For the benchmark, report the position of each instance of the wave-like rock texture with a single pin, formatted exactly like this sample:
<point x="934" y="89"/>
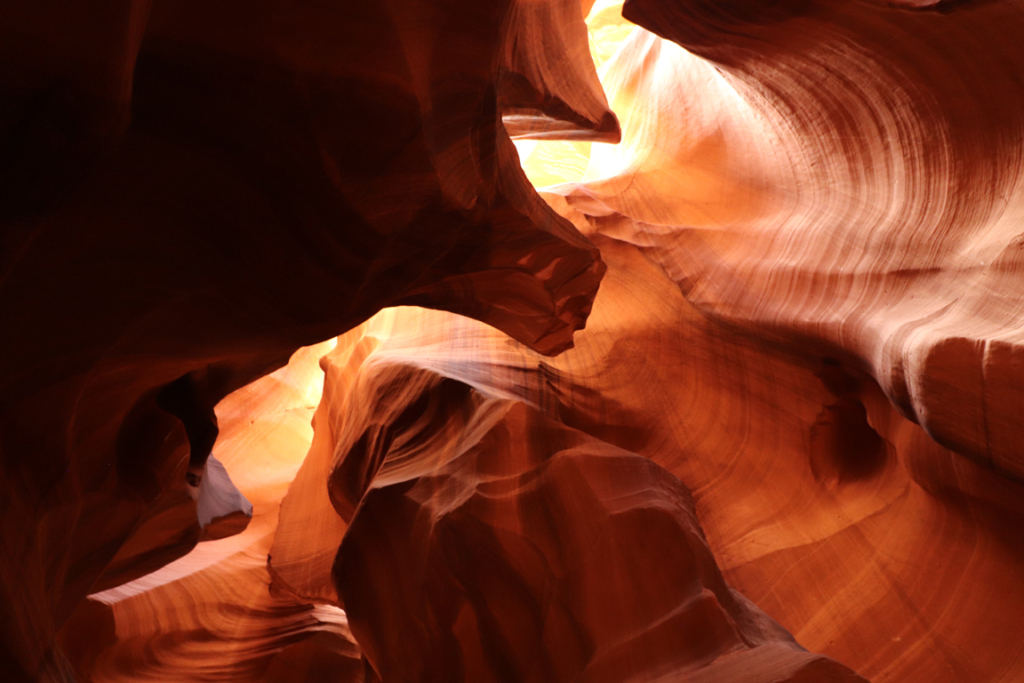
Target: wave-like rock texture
<point x="811" y="319"/>
<point x="487" y="542"/>
<point x="832" y="512"/>
<point x="189" y="191"/>
<point x="840" y="183"/>
<point x="210" y="616"/>
<point x="844" y="177"/>
<point x="549" y="88"/>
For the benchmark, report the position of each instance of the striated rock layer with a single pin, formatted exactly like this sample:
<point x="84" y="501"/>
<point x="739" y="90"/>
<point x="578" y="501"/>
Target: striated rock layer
<point x="844" y="178"/>
<point x="840" y="183"/>
<point x="811" y="320"/>
<point x="190" y="191"/>
<point x="840" y="518"/>
<point x="521" y="549"/>
<point x="209" y="616"/>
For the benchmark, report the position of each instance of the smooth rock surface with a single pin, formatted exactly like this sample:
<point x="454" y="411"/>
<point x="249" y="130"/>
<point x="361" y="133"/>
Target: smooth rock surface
<point x="190" y="192"/>
<point x="785" y="448"/>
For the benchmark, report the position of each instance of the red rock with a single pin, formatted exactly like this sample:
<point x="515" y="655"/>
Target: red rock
<point x="277" y="185"/>
<point x="810" y="319"/>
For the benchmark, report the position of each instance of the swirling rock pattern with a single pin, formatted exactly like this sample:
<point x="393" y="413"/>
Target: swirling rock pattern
<point x="847" y="178"/>
<point x="803" y="472"/>
<point x="811" y="320"/>
<point x="485" y="541"/>
<point x="210" y="616"/>
<point x="815" y="179"/>
<point x="190" y="192"/>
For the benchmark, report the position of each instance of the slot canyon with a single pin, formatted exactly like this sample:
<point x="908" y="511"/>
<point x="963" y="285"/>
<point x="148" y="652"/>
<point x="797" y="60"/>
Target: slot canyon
<point x="501" y="341"/>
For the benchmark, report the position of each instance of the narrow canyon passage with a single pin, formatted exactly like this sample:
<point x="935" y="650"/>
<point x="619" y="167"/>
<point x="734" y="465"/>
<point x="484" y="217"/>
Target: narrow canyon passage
<point x="536" y="340"/>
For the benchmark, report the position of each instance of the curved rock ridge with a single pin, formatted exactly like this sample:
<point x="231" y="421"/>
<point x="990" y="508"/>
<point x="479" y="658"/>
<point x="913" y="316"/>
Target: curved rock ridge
<point x="566" y="160"/>
<point x="210" y="616"/>
<point x="310" y="530"/>
<point x="549" y="88"/>
<point x="811" y="319"/>
<point x="903" y="549"/>
<point x="191" y="191"/>
<point x="485" y="541"/>
<point x="837" y="516"/>
<point x="844" y="178"/>
<point x="838" y="183"/>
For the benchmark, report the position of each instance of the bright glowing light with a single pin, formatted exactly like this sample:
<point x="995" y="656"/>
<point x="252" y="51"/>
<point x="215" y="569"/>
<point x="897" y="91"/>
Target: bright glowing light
<point x="552" y="162"/>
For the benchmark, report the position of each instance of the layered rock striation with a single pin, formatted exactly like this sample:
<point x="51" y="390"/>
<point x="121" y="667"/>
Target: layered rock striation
<point x="190" y="192"/>
<point x="785" y="447"/>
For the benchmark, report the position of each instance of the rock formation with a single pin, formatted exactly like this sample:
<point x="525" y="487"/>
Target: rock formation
<point x="736" y="396"/>
<point x="193" y="191"/>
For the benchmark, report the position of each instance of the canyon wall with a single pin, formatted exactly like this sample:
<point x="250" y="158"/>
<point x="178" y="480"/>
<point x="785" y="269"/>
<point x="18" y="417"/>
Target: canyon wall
<point x="735" y="396"/>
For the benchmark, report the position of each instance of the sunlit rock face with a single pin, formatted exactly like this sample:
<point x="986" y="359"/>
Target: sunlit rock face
<point x="784" y="447"/>
<point x="486" y="541"/>
<point x="816" y="179"/>
<point x="851" y="199"/>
